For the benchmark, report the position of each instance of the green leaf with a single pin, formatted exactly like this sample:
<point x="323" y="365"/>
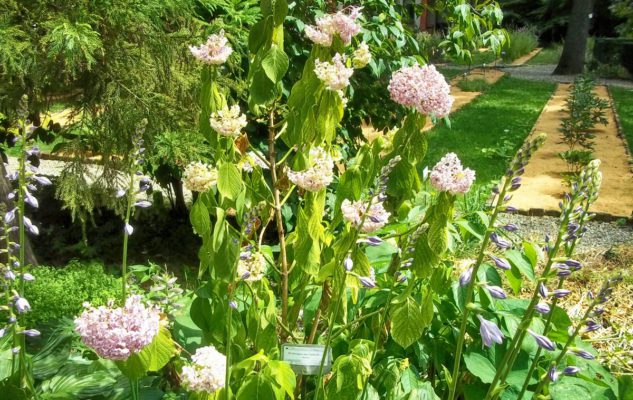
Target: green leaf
<point x="522" y="263"/>
<point x="256" y="387"/>
<point x="426" y="392"/>
<point x="284" y="376"/>
<point x="280" y="11"/>
<point x="199" y="217"/>
<point x="275" y="63"/>
<point x="480" y="366"/>
<point x="262" y="89"/>
<point x="152" y="358"/>
<point x="258" y="35"/>
<point x="407" y="322"/>
<point x="229" y="180"/>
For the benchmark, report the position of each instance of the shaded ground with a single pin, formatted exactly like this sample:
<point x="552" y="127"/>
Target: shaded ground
<point x="542" y="184"/>
<point x="543" y="72"/>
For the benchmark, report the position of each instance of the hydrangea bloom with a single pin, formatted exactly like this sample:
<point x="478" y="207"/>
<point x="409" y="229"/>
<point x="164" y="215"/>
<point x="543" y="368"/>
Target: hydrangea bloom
<point x="215" y="51"/>
<point x="319" y="175"/>
<point x="251" y="266"/>
<point x="228" y="121"/>
<point x="376" y="218"/>
<point x="200" y="177"/>
<point x="117" y="333"/>
<point x="208" y="371"/>
<point x="448" y="175"/>
<point x="335" y="75"/>
<point x="362" y="56"/>
<point x="343" y="23"/>
<point x="422" y="88"/>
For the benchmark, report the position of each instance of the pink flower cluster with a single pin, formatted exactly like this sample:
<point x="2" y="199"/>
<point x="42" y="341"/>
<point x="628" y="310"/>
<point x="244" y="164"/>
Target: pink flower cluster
<point x="335" y="75"/>
<point x="215" y="51"/>
<point x="448" y="175"/>
<point x="117" y="333"/>
<point x="208" y="371"/>
<point x="376" y="218"/>
<point x="423" y="88"/>
<point x="319" y="175"/>
<point x="342" y="23"/>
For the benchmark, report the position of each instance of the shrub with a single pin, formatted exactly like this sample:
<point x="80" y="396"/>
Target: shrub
<point x="60" y="292"/>
<point x="522" y="41"/>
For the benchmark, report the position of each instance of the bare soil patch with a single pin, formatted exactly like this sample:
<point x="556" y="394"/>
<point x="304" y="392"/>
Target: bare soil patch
<point x="543" y="185"/>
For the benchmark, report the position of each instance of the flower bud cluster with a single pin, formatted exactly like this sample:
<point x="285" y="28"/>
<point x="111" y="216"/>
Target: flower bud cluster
<point x="251" y="265"/>
<point x="228" y="121"/>
<point x="318" y="175"/>
<point x="117" y="333"/>
<point x="423" y="88"/>
<point x="200" y="177"/>
<point x="448" y="175"/>
<point x="343" y="24"/>
<point x="207" y="372"/>
<point x="215" y="51"/>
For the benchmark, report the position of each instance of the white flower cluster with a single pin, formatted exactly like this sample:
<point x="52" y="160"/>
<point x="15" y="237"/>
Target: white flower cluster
<point x="215" y="51"/>
<point x="253" y="159"/>
<point x="228" y="121"/>
<point x="251" y="266"/>
<point x="200" y="177"/>
<point x="343" y="24"/>
<point x="375" y="219"/>
<point x="362" y="56"/>
<point x="208" y="371"/>
<point x="335" y="75"/>
<point x="319" y="175"/>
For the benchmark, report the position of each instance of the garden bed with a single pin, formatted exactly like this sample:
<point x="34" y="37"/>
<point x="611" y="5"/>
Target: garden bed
<point x="542" y="189"/>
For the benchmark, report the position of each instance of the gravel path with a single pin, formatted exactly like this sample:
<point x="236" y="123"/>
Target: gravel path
<point x="600" y="236"/>
<point x="544" y="73"/>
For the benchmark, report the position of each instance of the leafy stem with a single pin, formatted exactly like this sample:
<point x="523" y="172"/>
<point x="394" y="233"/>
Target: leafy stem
<point x="128" y="212"/>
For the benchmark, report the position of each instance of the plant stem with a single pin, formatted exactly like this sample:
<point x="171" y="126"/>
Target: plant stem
<point x="470" y="291"/>
<point x="128" y="212"/>
<point x="22" y="258"/>
<point x="229" y="320"/>
<point x="278" y="217"/>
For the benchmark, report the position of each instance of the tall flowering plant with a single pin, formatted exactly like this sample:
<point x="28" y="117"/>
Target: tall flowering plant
<point x="363" y="266"/>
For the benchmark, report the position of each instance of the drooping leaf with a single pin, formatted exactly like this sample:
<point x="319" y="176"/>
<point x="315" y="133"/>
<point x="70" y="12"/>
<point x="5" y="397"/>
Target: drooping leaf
<point x="407" y="322"/>
<point x="275" y="63"/>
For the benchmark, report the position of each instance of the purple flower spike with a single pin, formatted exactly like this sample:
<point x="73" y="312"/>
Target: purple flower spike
<point x="28" y="277"/>
<point x="120" y="193"/>
<point x="31" y="200"/>
<point x="22" y="305"/>
<point x="9" y="275"/>
<point x="42" y="180"/>
<point x="563" y="273"/>
<point x="465" y="277"/>
<point x="367" y="282"/>
<point x="143" y="204"/>
<point x="592" y="326"/>
<point x="560" y="293"/>
<point x="489" y="332"/>
<point x="543" y="341"/>
<point x="542" y="290"/>
<point x="9" y="216"/>
<point x="573" y="264"/>
<point x="582" y="353"/>
<point x="30" y="226"/>
<point x="11" y="196"/>
<point x="496" y="292"/>
<point x="374" y="240"/>
<point x="233" y="304"/>
<point x="553" y="374"/>
<point x="501" y="243"/>
<point x="543" y="308"/>
<point x="129" y="229"/>
<point x="511" y="209"/>
<point x="501" y="263"/>
<point x="571" y="370"/>
<point x="31" y="332"/>
<point x="510" y="228"/>
<point x="349" y="264"/>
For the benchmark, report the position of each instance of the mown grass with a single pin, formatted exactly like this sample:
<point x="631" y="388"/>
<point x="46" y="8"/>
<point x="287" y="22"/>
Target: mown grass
<point x="549" y="55"/>
<point x="486" y="133"/>
<point x="623" y="99"/>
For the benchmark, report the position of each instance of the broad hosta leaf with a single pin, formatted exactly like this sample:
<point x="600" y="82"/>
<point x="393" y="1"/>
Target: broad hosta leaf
<point x="229" y="180"/>
<point x="522" y="263"/>
<point x="480" y="366"/>
<point x="426" y="392"/>
<point x="275" y="63"/>
<point x="407" y="322"/>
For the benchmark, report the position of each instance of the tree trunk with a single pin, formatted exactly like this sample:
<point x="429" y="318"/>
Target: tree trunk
<point x="180" y="208"/>
<point x="572" y="61"/>
<point x="5" y="189"/>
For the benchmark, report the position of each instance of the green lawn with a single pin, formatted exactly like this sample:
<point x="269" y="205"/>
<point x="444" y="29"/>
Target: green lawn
<point x="623" y="99"/>
<point x="548" y="55"/>
<point x="486" y="133"/>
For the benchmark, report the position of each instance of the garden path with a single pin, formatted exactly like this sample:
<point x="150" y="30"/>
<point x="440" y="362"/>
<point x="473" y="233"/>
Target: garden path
<point x="542" y="187"/>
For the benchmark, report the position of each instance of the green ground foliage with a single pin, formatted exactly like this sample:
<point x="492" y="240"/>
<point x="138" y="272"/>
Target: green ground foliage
<point x="623" y="99"/>
<point x="548" y="55"/>
<point x="488" y="131"/>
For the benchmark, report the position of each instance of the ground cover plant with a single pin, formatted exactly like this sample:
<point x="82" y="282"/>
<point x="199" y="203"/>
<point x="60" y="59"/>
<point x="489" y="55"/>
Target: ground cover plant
<point x="487" y="132"/>
<point x="623" y="101"/>
<point x="548" y="55"/>
<point x="308" y="239"/>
